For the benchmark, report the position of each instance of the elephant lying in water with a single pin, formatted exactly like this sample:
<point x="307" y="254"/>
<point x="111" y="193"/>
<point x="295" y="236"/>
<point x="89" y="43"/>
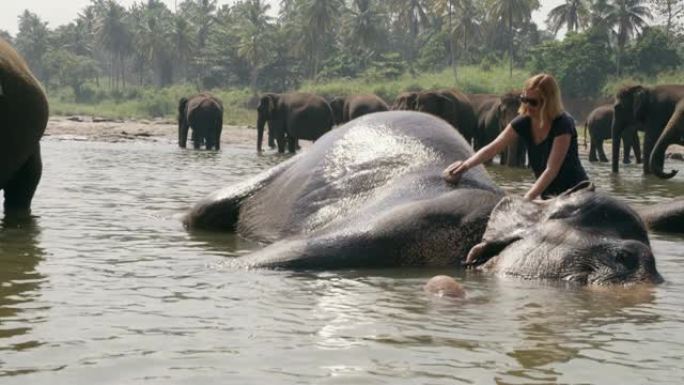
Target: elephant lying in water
<point x="370" y="194"/>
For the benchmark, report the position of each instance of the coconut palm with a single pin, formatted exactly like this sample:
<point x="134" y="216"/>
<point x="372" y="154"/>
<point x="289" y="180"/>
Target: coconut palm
<point x="253" y="35"/>
<point x="112" y="33"/>
<point x="573" y="14"/>
<point x="319" y="19"/>
<point x="511" y="13"/>
<point x="365" y="23"/>
<point x="628" y="18"/>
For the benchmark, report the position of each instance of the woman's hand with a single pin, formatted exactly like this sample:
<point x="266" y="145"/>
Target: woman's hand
<point x="453" y="173"/>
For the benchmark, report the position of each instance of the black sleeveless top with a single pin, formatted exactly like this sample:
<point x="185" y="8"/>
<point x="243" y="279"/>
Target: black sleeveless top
<point x="571" y="172"/>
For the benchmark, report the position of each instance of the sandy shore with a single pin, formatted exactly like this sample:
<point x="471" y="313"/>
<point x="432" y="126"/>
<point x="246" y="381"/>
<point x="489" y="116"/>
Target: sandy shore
<point x="87" y="128"/>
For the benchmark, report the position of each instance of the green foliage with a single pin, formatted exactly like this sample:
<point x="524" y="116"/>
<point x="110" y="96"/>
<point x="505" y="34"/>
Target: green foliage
<point x="651" y="54"/>
<point x="579" y="62"/>
<point x="71" y="70"/>
<point x="386" y="66"/>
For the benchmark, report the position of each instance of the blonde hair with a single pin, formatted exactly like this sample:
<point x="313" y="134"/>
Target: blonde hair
<point x="549" y="92"/>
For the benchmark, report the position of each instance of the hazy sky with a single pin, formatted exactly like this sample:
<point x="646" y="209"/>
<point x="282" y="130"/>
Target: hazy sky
<point x="58" y="12"/>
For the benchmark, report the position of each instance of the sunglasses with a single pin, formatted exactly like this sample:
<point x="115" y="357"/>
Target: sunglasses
<point x="532" y="102"/>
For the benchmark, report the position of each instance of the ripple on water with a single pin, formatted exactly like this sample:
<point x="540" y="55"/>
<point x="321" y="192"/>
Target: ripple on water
<point x="106" y="285"/>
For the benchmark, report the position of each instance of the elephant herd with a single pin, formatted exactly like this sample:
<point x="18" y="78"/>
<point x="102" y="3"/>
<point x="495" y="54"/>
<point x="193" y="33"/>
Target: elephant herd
<point x="389" y="206"/>
<point x="293" y="116"/>
<point x="658" y="111"/>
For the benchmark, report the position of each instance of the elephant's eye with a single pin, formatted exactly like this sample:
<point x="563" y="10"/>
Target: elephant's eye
<point x="628" y="260"/>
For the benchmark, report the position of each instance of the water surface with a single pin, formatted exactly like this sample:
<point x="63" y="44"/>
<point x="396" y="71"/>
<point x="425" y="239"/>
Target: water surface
<point x="105" y="286"/>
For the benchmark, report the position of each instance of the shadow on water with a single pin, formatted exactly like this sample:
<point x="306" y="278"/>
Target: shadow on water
<point x="19" y="279"/>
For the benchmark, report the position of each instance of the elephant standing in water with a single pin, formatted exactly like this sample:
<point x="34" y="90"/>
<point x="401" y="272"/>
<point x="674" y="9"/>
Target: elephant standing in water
<point x="204" y="113"/>
<point x="598" y="123"/>
<point x="493" y="113"/>
<point x="405" y="101"/>
<point x="24" y="114"/>
<point x="371" y="194"/>
<point x="351" y="107"/>
<point x="660" y="111"/>
<point x="291" y="117"/>
<point x="452" y="106"/>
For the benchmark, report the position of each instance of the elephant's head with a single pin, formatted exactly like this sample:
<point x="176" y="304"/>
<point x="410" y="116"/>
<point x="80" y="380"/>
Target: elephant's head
<point x="673" y="133"/>
<point x="405" y="101"/>
<point x="337" y="105"/>
<point x="434" y="103"/>
<point x="631" y="107"/>
<point x="266" y="111"/>
<point x="508" y="108"/>
<point x="581" y="236"/>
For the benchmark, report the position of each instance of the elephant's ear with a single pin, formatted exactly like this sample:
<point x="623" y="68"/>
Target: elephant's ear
<point x="640" y="101"/>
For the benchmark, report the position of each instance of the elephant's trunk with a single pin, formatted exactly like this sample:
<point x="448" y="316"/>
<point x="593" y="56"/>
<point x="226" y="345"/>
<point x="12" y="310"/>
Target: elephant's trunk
<point x="671" y="135"/>
<point x="261" y="122"/>
<point x="616" y="134"/>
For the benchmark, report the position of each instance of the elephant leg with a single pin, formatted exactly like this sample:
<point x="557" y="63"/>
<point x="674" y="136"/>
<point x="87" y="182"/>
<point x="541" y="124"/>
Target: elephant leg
<point x="183" y="135"/>
<point x="291" y="144"/>
<point x="636" y="147"/>
<point x="592" y="151"/>
<point x="271" y="137"/>
<point x="627" y="148"/>
<point x="502" y="158"/>
<point x="649" y="143"/>
<point x="20" y="189"/>
<point x="196" y="139"/>
<point x="601" y="151"/>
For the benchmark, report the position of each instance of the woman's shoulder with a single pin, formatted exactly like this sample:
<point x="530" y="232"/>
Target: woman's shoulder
<point x="563" y="123"/>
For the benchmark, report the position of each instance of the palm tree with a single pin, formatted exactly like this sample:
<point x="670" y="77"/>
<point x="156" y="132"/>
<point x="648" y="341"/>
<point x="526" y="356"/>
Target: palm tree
<point x="113" y="34"/>
<point x="572" y="14"/>
<point x="511" y="13"/>
<point x="183" y="43"/>
<point x="253" y="34"/>
<point x="365" y="25"/>
<point x="411" y="16"/>
<point x="627" y="17"/>
<point x="467" y="24"/>
<point x="32" y="42"/>
<point x="319" y="20"/>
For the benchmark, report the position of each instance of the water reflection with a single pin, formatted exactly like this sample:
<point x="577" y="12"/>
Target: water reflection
<point x="20" y="281"/>
<point x="560" y="327"/>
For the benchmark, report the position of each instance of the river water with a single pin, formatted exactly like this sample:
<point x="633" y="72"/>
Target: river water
<point x="105" y="286"/>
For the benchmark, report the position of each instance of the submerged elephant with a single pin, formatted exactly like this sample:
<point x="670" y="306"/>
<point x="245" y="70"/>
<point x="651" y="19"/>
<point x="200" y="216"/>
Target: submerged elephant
<point x="493" y="113"/>
<point x="660" y="111"/>
<point x="371" y="194"/>
<point x="204" y="114"/>
<point x="351" y="107"/>
<point x="598" y="123"/>
<point x="452" y="106"/>
<point x="291" y="117"/>
<point x="24" y="114"/>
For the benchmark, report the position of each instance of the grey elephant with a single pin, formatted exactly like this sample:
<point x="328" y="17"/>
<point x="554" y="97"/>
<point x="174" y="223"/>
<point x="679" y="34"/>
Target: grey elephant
<point x="493" y="113"/>
<point x="24" y="111"/>
<point x="598" y="124"/>
<point x="341" y="205"/>
<point x="405" y="101"/>
<point x="204" y="114"/>
<point x="453" y="106"/>
<point x="291" y="117"/>
<point x="351" y="107"/>
<point x="659" y="111"/>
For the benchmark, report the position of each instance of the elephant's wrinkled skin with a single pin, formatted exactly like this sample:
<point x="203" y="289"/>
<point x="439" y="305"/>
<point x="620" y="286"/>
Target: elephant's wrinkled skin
<point x="452" y="106"/>
<point x="660" y="112"/>
<point x="24" y="115"/>
<point x="370" y="194"/>
<point x="493" y="113"/>
<point x="291" y="117"/>
<point x="352" y="107"/>
<point x="204" y="114"/>
<point x="598" y="124"/>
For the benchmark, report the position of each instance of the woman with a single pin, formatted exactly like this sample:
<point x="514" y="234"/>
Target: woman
<point x="549" y="134"/>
